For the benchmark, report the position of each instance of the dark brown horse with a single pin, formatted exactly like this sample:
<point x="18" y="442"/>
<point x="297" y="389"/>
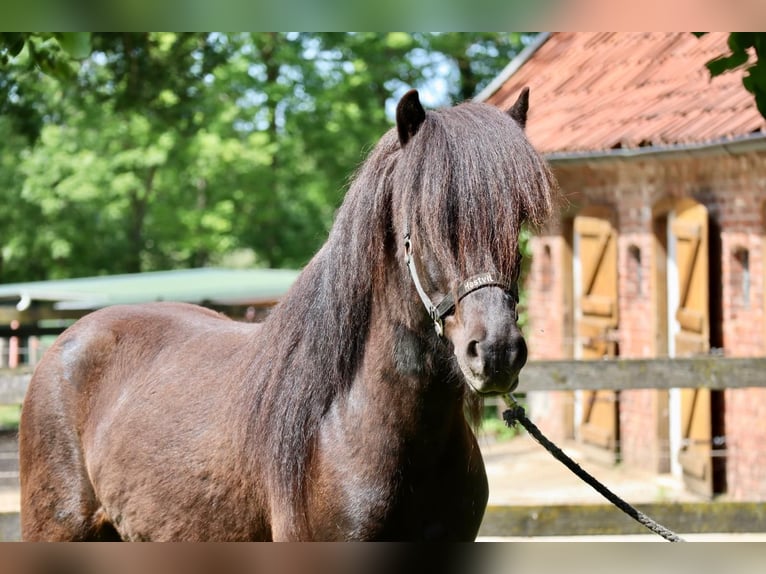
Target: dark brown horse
<point x="342" y="417"/>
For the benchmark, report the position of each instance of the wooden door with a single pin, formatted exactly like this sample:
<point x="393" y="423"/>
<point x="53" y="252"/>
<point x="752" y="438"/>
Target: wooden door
<point x="689" y="230"/>
<point x="596" y="321"/>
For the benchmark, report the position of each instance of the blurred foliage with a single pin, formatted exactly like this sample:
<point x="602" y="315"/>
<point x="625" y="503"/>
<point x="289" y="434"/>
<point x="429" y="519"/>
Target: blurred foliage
<point x="126" y="152"/>
<point x="494" y="429"/>
<point x="51" y="51"/>
<point x="9" y="417"/>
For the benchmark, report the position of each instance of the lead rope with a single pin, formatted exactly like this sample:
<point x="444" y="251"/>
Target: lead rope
<point x="516" y="413"/>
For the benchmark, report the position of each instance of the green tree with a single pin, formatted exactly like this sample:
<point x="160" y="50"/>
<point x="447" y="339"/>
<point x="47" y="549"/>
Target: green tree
<point x="328" y="98"/>
<point x="159" y="150"/>
<point x="475" y="58"/>
<point x="52" y="52"/>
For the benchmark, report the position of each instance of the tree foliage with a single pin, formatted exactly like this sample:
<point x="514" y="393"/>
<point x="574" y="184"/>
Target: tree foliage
<point x="127" y="152"/>
<point x="747" y="51"/>
<point x="52" y="52"/>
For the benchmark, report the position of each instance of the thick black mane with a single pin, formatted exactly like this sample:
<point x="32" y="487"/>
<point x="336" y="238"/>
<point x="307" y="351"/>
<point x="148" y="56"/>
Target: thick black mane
<point x="463" y="184"/>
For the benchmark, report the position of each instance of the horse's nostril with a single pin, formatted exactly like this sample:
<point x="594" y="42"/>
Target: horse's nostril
<point x="473" y="350"/>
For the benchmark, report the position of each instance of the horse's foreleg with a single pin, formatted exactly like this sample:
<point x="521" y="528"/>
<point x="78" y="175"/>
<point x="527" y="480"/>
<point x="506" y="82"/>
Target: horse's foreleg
<point x="57" y="499"/>
<point x="58" y="502"/>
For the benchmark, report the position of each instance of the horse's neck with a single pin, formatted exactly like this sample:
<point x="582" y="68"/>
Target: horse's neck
<point x="403" y="356"/>
<point x="407" y="378"/>
<point x="367" y="334"/>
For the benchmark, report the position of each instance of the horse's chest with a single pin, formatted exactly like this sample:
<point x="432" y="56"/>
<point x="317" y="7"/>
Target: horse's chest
<point x="394" y="492"/>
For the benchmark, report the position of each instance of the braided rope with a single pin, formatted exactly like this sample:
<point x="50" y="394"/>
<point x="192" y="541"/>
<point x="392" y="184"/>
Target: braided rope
<point x="516" y="413"/>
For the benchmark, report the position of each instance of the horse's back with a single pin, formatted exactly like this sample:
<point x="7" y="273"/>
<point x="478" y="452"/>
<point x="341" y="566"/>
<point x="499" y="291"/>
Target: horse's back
<point x="125" y="390"/>
<point x="113" y="345"/>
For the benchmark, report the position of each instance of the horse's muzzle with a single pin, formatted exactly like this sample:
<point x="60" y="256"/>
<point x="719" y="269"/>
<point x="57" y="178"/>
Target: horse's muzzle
<point x="494" y="365"/>
<point x="488" y="343"/>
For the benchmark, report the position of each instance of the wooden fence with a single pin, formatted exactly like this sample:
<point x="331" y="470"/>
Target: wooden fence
<point x="711" y="372"/>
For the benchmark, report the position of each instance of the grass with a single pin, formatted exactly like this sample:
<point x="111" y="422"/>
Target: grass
<point x="9" y="417"/>
<point x="492" y="423"/>
<point x="497" y="429"/>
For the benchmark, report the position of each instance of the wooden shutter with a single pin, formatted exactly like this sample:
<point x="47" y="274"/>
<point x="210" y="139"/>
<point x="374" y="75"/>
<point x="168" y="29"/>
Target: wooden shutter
<point x="597" y="320"/>
<point x="690" y="234"/>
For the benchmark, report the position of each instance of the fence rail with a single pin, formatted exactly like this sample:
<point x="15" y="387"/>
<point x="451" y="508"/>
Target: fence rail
<point x="707" y="372"/>
<point x="621" y="374"/>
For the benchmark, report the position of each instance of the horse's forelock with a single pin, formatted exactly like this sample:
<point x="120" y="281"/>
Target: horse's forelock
<point x="468" y="181"/>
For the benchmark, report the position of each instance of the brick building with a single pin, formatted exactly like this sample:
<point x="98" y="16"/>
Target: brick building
<point x="658" y="247"/>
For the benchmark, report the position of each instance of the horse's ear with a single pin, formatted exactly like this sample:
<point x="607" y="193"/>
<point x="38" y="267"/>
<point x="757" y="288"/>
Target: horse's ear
<point x="409" y="116"/>
<point x="519" y="110"/>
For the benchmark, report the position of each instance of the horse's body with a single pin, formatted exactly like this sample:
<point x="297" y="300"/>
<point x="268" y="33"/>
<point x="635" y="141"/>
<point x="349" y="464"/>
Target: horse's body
<point x="342" y="416"/>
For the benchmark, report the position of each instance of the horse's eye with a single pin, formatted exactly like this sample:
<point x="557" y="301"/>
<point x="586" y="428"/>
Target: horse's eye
<point x="434" y="273"/>
<point x="513" y="293"/>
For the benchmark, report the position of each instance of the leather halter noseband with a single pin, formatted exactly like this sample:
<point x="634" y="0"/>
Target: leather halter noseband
<point x="447" y="305"/>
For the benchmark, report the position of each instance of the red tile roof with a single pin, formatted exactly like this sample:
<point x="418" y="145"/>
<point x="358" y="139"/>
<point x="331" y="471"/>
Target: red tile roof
<point x="601" y="91"/>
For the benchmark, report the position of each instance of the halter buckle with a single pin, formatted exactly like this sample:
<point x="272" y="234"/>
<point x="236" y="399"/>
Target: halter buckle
<point x="438" y="322"/>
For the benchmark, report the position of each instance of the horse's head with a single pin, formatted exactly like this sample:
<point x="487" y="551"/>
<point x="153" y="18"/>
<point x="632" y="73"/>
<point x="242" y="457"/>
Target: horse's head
<point x="466" y="180"/>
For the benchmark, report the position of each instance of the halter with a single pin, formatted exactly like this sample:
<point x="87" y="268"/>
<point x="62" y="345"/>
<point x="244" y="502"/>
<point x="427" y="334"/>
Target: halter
<point x="447" y="305"/>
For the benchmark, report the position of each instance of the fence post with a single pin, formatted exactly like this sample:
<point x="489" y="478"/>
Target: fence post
<point x="13" y="347"/>
<point x="33" y="350"/>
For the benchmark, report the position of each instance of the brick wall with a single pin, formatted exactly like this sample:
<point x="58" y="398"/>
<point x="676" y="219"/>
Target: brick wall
<point x="548" y="319"/>
<point x="746" y="444"/>
<point x="733" y="188"/>
<point x="546" y="332"/>
<point x="643" y="437"/>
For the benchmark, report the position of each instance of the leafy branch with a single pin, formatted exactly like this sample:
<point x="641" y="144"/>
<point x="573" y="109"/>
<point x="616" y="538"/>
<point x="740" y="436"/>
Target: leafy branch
<point x="742" y="47"/>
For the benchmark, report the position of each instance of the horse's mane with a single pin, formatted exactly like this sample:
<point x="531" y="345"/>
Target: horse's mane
<point x="464" y="184"/>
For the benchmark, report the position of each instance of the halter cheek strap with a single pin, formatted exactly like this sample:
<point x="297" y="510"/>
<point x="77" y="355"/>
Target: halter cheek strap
<point x="447" y="305"/>
<point x="430" y="307"/>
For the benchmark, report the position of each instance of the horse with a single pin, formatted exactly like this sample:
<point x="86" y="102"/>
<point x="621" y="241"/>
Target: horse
<point x="347" y="413"/>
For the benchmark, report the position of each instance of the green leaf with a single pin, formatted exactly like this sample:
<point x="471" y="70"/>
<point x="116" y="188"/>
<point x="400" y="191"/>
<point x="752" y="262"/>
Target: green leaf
<point x="13" y="42"/>
<point x="760" y="102"/>
<point x="718" y="66"/>
<point x="739" y="42"/>
<point x="76" y="44"/>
